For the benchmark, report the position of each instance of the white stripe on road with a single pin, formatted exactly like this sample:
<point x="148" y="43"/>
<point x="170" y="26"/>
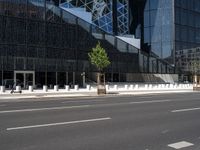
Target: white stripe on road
<point x="180" y="145"/>
<point x="42" y="109"/>
<point x="154" y="101"/>
<point x="185" y="110"/>
<point x="83" y="101"/>
<point x="56" y="124"/>
<point x="80" y="106"/>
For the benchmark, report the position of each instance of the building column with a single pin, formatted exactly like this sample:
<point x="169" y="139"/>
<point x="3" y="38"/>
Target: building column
<point x="74" y="78"/>
<point x="56" y="78"/>
<point x="67" y="78"/>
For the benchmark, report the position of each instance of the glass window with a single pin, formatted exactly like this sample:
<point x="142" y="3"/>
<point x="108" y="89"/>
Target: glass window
<point x="166" y="50"/>
<point x="156" y="49"/>
<point x="146" y="19"/>
<point x="147" y="36"/>
<point x="154" y="4"/>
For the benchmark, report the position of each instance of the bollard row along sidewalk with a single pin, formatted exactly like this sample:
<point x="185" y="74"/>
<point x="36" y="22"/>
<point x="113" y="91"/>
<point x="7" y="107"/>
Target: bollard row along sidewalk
<point x="109" y="88"/>
<point x="91" y="91"/>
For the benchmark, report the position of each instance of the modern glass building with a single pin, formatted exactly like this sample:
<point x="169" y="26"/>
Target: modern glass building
<point x="46" y="42"/>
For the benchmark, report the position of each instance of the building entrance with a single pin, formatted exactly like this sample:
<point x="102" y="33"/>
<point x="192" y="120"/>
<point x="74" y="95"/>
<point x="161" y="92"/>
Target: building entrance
<point x="24" y="78"/>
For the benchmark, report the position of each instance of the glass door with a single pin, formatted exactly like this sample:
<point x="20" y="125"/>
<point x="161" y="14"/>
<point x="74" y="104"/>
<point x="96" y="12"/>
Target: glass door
<point x="28" y="80"/>
<point x="19" y="79"/>
<point x="24" y="78"/>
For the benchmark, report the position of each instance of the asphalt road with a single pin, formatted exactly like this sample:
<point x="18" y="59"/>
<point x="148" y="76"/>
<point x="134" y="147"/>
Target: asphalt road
<point x="150" y="122"/>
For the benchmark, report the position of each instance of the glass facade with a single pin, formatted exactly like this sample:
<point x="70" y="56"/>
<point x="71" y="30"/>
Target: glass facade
<point x="158" y="28"/>
<point x="38" y="36"/>
<point x="187" y="35"/>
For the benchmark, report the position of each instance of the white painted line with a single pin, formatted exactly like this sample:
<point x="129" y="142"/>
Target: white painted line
<point x="154" y="101"/>
<point x="80" y="106"/>
<point x="18" y="97"/>
<point x="83" y="101"/>
<point x="145" y="97"/>
<point x="64" y="95"/>
<point x="180" y="145"/>
<point x="56" y="124"/>
<point x="185" y="110"/>
<point x="42" y="109"/>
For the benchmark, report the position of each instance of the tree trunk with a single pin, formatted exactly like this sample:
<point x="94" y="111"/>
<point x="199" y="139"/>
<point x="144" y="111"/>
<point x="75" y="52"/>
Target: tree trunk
<point x="101" y="89"/>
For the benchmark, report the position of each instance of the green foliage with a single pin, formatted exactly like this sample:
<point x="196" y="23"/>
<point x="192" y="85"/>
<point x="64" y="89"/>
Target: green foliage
<point x="98" y="57"/>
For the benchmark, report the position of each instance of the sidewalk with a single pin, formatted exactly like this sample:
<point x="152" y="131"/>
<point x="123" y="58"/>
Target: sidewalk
<point x="40" y="95"/>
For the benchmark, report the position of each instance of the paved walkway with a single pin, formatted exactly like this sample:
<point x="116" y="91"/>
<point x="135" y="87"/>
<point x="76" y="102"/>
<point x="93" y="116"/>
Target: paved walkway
<point x="51" y="94"/>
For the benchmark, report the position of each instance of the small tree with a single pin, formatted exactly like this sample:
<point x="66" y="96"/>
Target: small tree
<point x="99" y="58"/>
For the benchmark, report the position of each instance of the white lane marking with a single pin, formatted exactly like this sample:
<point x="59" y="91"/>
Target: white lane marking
<point x="180" y="145"/>
<point x="154" y="101"/>
<point x="145" y="97"/>
<point x="18" y="97"/>
<point x="80" y="106"/>
<point x="83" y="101"/>
<point x="184" y="110"/>
<point x="42" y="109"/>
<point x="60" y="123"/>
<point x="64" y="95"/>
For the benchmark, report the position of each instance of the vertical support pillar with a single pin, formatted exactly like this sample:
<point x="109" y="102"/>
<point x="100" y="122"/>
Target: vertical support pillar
<point x="74" y="78"/>
<point x="114" y="11"/>
<point x="14" y="76"/>
<point x="24" y="74"/>
<point x="84" y="79"/>
<point x="67" y="78"/>
<point x="2" y="67"/>
<point x="34" y="79"/>
<point x="56" y="78"/>
<point x="45" y="77"/>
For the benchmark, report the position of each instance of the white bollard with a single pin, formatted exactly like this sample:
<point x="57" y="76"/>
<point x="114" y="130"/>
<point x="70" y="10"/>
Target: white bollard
<point x="107" y="87"/>
<point x="126" y="87"/>
<point x="131" y="87"/>
<point x="155" y="87"/>
<point x="2" y="89"/>
<point x="55" y="88"/>
<point x="67" y="87"/>
<point x="18" y="88"/>
<point x="146" y="86"/>
<point x="30" y="88"/>
<point x="136" y="87"/>
<point x="88" y="87"/>
<point x="76" y="87"/>
<point x="150" y="86"/>
<point x="115" y="87"/>
<point x="45" y="88"/>
<point x="159" y="86"/>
